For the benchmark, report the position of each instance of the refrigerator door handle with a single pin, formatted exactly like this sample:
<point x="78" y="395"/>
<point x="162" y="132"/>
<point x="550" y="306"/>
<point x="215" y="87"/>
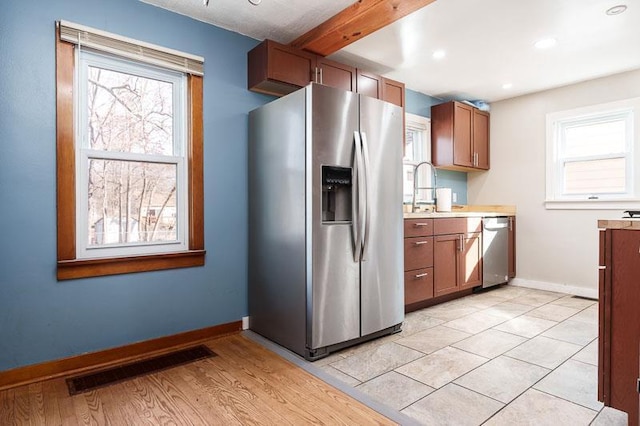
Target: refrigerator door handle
<point x="367" y="191"/>
<point x="357" y="197"/>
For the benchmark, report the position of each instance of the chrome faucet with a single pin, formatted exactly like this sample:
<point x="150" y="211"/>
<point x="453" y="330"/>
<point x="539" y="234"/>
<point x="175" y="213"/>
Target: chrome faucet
<point x="416" y="187"/>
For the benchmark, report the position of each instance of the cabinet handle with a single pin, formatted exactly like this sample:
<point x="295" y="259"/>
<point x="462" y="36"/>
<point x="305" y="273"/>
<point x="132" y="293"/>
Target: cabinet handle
<point x="461" y="242"/>
<point x="315" y="75"/>
<point x="510" y="224"/>
<point x="422" y="275"/>
<point x="419" y="243"/>
<point x="420" y="224"/>
<point x="321" y="79"/>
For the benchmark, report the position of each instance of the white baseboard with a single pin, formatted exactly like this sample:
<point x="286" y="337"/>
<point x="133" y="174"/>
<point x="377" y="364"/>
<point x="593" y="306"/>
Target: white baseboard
<point x="557" y="287"/>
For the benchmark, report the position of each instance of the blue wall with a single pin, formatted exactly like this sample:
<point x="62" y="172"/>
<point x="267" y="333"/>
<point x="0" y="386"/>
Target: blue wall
<point x="42" y="318"/>
<point x="420" y="104"/>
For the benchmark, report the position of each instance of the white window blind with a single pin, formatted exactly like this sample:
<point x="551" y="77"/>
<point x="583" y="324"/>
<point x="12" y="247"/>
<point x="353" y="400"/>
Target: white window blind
<point x="131" y="49"/>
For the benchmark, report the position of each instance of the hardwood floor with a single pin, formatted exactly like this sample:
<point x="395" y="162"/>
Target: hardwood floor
<point x="245" y="384"/>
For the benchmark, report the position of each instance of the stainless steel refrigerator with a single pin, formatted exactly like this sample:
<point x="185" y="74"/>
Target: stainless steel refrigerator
<point x="325" y="220"/>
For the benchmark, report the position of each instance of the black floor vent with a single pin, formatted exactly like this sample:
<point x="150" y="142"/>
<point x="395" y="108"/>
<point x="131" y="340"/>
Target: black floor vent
<point x="140" y="368"/>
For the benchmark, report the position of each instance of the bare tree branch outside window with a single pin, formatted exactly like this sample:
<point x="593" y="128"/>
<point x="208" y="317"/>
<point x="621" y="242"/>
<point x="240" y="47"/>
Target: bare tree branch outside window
<point x="130" y="201"/>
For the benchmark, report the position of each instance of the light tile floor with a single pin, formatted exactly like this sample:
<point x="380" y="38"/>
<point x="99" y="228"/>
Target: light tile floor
<point x="507" y="356"/>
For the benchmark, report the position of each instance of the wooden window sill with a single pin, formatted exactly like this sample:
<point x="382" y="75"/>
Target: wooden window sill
<point x="84" y="268"/>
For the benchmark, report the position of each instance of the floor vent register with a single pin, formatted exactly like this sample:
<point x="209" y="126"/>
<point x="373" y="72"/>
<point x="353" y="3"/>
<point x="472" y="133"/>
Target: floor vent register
<point x="124" y="372"/>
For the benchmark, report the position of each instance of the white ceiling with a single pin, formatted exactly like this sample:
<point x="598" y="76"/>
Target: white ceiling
<point x="488" y="43"/>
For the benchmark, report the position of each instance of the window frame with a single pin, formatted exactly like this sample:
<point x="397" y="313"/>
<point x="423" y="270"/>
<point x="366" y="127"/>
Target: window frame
<point x="69" y="264"/>
<point x="423" y="125"/>
<point x="84" y="153"/>
<point x="627" y="110"/>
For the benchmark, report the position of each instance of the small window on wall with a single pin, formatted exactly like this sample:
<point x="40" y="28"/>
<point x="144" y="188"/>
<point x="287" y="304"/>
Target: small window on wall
<point x="591" y="153"/>
<point x="417" y="148"/>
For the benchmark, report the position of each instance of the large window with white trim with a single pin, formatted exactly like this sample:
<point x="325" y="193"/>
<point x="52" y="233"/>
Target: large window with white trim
<point x="129" y="155"/>
<point x="130" y="158"/>
<point x="591" y="156"/>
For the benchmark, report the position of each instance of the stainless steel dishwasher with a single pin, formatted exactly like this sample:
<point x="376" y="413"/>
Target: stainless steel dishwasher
<point x="495" y="246"/>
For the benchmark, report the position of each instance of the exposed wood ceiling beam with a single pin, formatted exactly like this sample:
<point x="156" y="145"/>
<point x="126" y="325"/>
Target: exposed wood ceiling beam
<point x="356" y="21"/>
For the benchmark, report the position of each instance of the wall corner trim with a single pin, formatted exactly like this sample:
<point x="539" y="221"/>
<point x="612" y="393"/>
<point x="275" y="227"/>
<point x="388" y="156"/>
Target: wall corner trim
<point x="113" y="356"/>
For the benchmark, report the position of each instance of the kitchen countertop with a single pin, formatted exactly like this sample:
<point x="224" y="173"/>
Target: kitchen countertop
<point x="466" y="211"/>
<point x="627" y="223"/>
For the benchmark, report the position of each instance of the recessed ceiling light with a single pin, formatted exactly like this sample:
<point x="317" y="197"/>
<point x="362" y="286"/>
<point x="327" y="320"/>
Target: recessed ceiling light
<point x="545" y="43"/>
<point x="439" y="54"/>
<point x="616" y="10"/>
<point x="507" y="86"/>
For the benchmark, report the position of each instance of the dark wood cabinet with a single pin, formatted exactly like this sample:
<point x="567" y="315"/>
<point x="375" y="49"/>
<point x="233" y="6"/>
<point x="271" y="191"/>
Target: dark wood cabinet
<point x="459" y="137"/>
<point x="457" y="255"/>
<point x="481" y="139"/>
<point x="335" y="74"/>
<point x="471" y="261"/>
<point x="393" y="91"/>
<point x="446" y="264"/>
<point x="511" y="247"/>
<point x="619" y="321"/>
<point x="418" y="260"/>
<point x="369" y="84"/>
<point x="276" y="69"/>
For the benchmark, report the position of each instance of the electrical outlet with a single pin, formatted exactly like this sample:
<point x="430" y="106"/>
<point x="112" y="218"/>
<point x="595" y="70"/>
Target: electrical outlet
<point x="454" y="198"/>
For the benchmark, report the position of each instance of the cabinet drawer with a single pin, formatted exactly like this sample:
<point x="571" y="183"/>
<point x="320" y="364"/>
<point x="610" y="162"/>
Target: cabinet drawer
<point x="418" y="285"/>
<point x="418" y="227"/>
<point x="418" y="253"/>
<point x="457" y="225"/>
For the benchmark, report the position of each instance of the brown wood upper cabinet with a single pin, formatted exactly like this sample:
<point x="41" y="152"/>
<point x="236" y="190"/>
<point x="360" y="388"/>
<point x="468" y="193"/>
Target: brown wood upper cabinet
<point x="393" y="91"/>
<point x="276" y="69"/>
<point x="459" y="137"/>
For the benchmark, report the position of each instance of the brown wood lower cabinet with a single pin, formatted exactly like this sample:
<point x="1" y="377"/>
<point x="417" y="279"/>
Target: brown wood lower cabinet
<point x="418" y="285"/>
<point x="418" y="253"/>
<point x="418" y="260"/>
<point x="445" y="264"/>
<point x="471" y="261"/>
<point x="457" y="255"/>
<point x="619" y="321"/>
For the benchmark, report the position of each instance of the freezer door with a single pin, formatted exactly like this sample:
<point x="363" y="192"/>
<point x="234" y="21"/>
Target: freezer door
<point x="382" y="280"/>
<point x="333" y="297"/>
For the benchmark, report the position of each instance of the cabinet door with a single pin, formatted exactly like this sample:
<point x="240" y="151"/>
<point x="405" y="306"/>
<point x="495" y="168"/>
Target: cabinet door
<point x="462" y="135"/>
<point x="393" y="91"/>
<point x="471" y="261"/>
<point x="335" y="74"/>
<point x="512" y="247"/>
<point x="369" y="84"/>
<point x="481" y="139"/>
<point x="624" y="327"/>
<point x="445" y="264"/>
<point x="290" y="65"/>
